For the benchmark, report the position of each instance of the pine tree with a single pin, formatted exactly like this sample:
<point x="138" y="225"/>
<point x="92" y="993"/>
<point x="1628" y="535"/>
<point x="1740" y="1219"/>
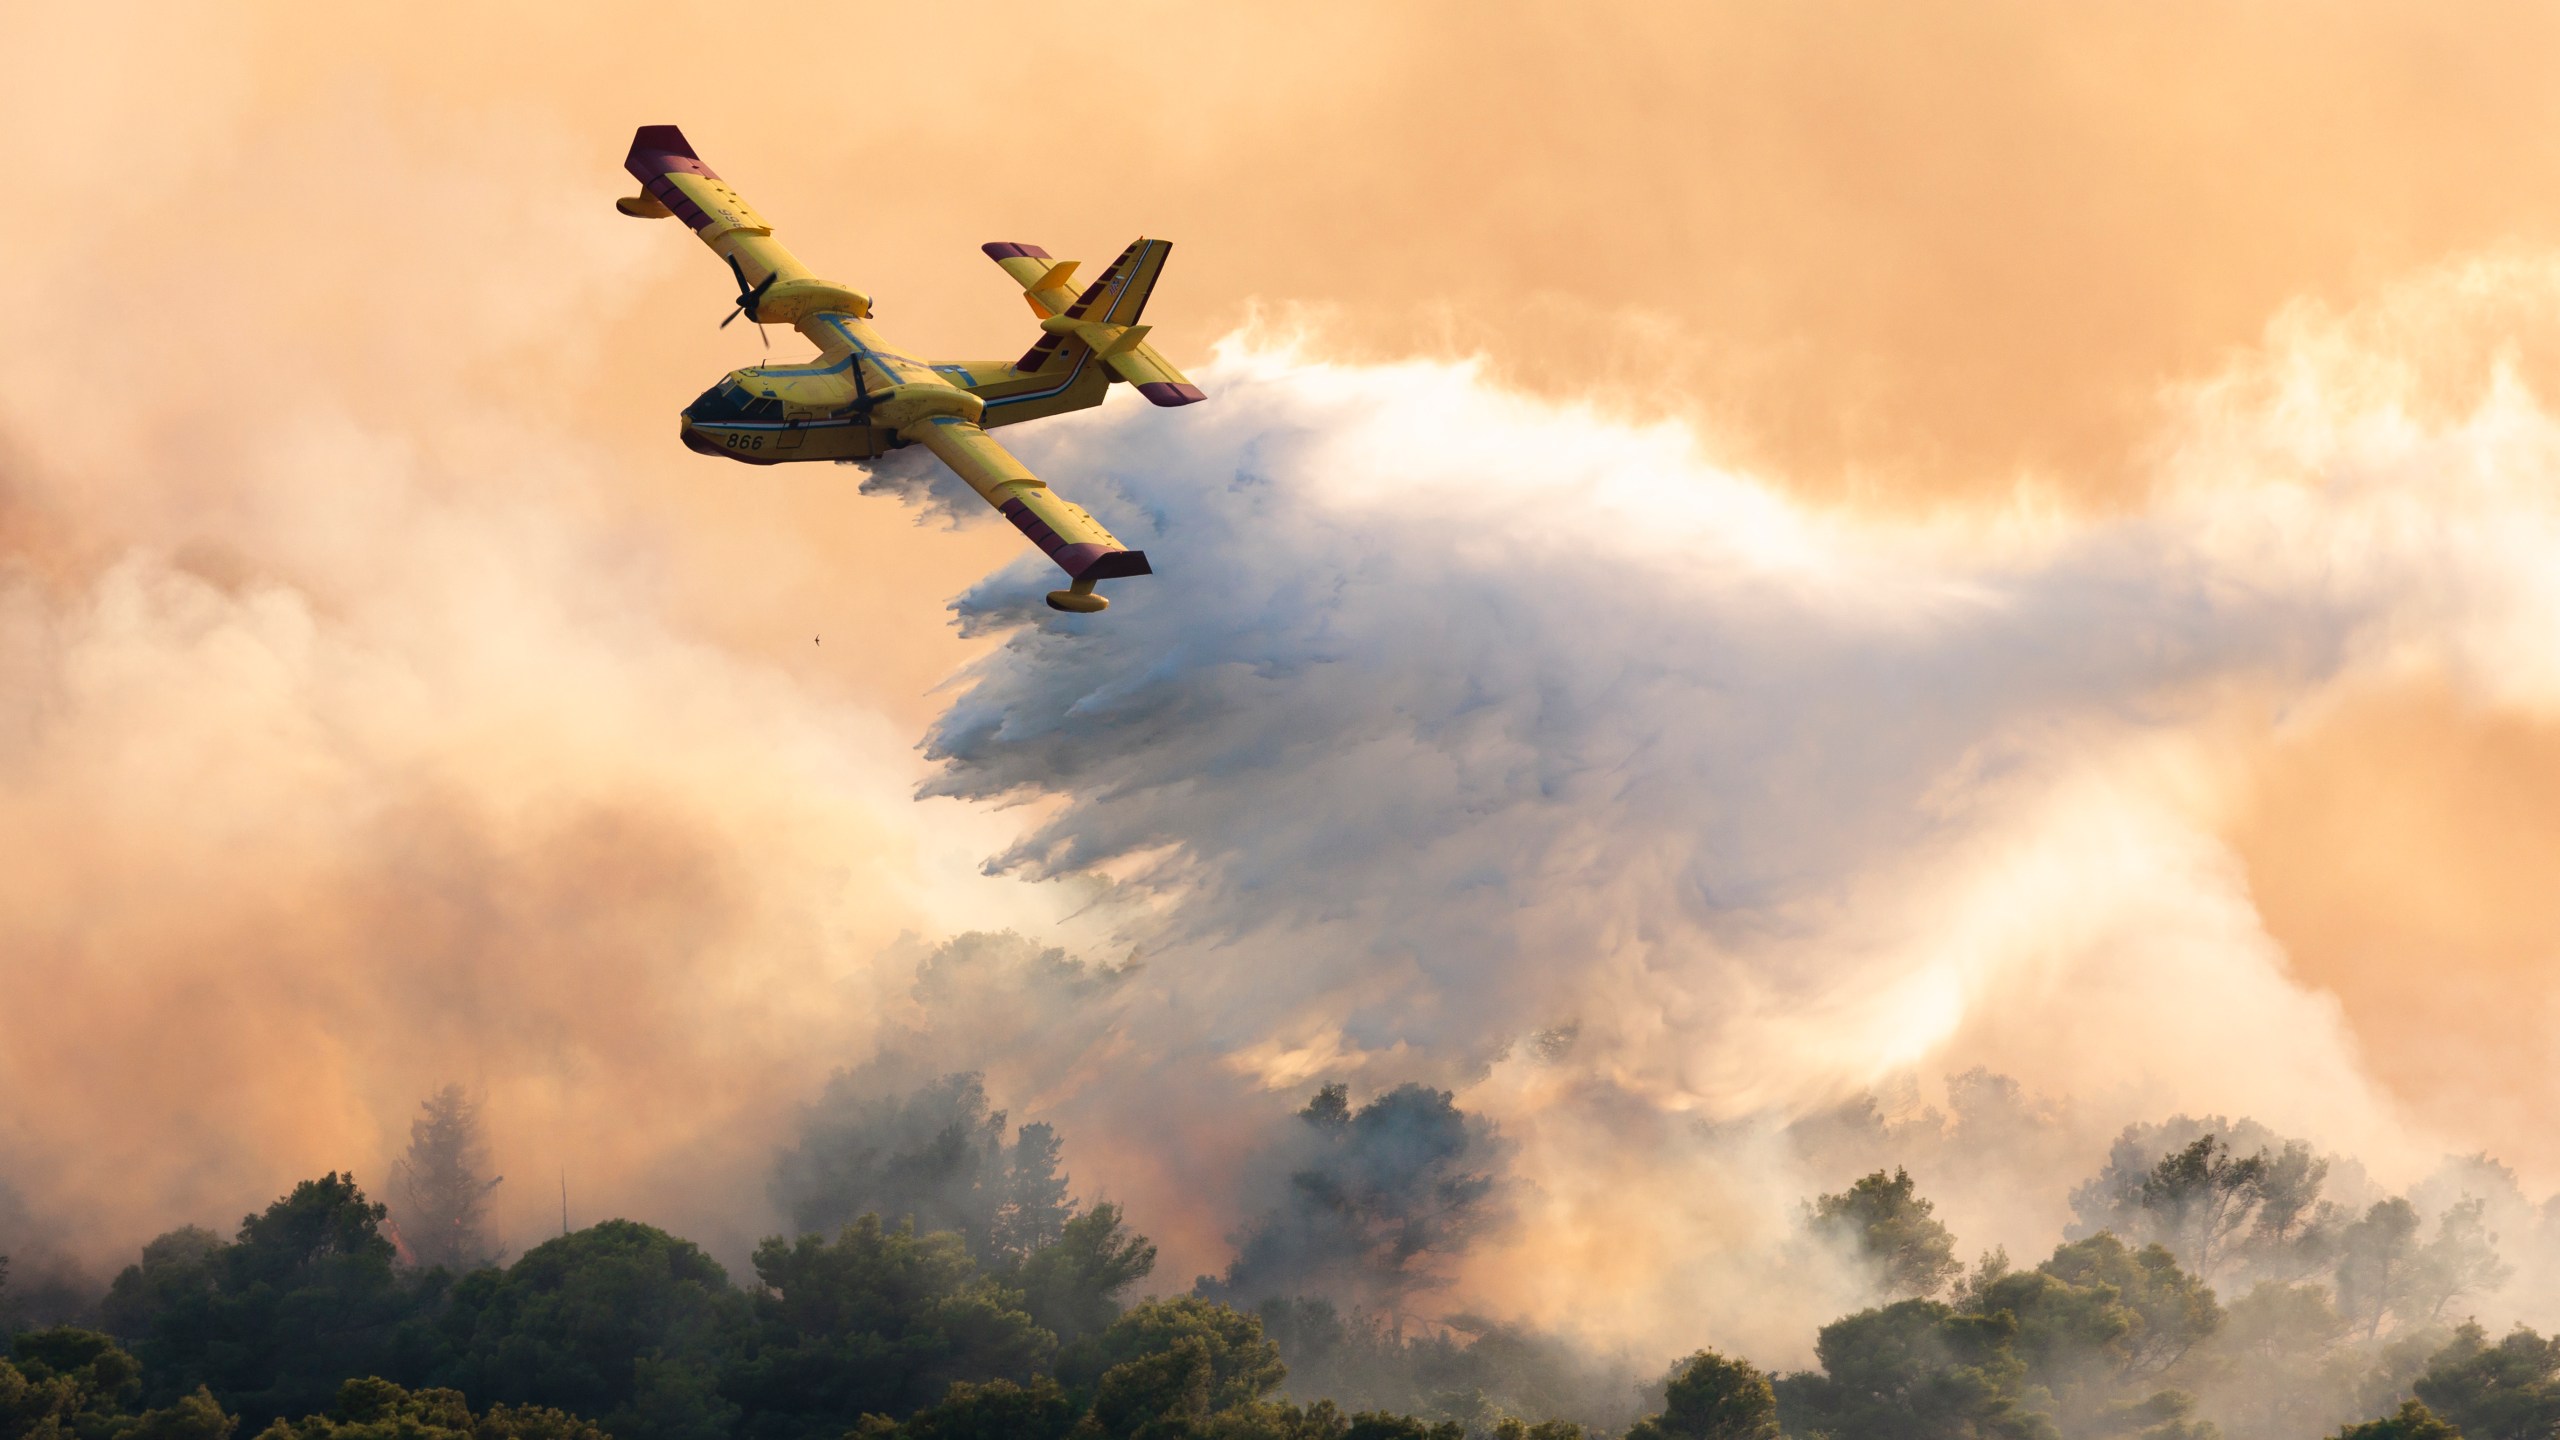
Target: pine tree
<point x="438" y="1194"/>
<point x="1035" y="1207"/>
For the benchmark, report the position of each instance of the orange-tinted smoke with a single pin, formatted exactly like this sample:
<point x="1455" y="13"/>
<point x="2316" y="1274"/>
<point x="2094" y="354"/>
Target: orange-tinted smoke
<point x="272" y="266"/>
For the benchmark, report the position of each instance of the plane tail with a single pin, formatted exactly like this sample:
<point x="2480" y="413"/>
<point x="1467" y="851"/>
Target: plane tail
<point x="1103" y="315"/>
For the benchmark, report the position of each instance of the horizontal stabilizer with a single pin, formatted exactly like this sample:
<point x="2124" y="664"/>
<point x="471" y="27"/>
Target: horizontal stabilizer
<point x="1104" y="315"/>
<point x="1154" y="376"/>
<point x="1170" y="393"/>
<point x="1057" y="277"/>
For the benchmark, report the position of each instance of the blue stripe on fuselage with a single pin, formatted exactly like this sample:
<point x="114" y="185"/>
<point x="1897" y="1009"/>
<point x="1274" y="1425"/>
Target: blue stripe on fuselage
<point x="1059" y="389"/>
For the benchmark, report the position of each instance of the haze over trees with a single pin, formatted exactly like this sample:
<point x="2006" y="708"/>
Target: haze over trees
<point x="1375" y="1198"/>
<point x="1892" y="1231"/>
<point x="1712" y="1397"/>
<point x="440" y="1188"/>
<point x="943" y="1282"/>
<point x="936" y="1156"/>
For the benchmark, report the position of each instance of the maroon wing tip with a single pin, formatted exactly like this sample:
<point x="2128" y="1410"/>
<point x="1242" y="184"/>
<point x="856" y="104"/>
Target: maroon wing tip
<point x="1118" y="565"/>
<point x="663" y="140"/>
<point x="1007" y="250"/>
<point x="1101" y="562"/>
<point x="1166" y="392"/>
<point x="657" y="149"/>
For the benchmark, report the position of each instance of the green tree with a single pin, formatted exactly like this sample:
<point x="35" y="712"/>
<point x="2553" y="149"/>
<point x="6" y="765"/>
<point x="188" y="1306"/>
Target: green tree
<point x="1711" y="1397"/>
<point x="1372" y="1425"/>
<point x="65" y="1382"/>
<point x="2171" y="1310"/>
<point x="1072" y="1285"/>
<point x="179" y="1270"/>
<point x="620" y="1322"/>
<point x="1242" y="1364"/>
<point x="996" y="1410"/>
<point x="370" y="1408"/>
<point x="2506" y="1391"/>
<point x="194" y="1416"/>
<point x="2377" y="1255"/>
<point x="70" y="1384"/>
<point x="1198" y="1371"/>
<point x="875" y="1321"/>
<point x="270" y="1323"/>
<point x="2098" y="1327"/>
<point x="2387" y="1276"/>
<point x="2225" y="1196"/>
<point x="440" y="1188"/>
<point x="1034" y="1209"/>
<point x="2295" y="1231"/>
<point x="1884" y="1221"/>
<point x="1280" y="1420"/>
<point x="1511" y="1428"/>
<point x="2203" y="1198"/>
<point x="1161" y="1395"/>
<point x="2414" y="1422"/>
<point x="1913" y="1370"/>
<point x="2461" y="1260"/>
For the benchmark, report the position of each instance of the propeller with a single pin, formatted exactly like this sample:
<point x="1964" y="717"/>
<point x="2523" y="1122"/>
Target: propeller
<point x="749" y="300"/>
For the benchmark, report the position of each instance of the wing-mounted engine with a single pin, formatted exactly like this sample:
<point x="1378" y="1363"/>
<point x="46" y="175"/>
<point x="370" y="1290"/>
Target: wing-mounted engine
<point x="774" y="288"/>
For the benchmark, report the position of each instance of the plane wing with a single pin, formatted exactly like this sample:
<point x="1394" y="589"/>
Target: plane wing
<point x="773" y="286"/>
<point x="1059" y="526"/>
<point x="862" y="396"/>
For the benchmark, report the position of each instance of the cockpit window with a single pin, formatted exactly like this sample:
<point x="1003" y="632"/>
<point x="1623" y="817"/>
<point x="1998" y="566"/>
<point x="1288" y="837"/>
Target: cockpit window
<point x="728" y="403"/>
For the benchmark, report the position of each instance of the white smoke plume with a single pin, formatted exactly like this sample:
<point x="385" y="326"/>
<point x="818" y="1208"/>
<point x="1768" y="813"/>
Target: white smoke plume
<point x="1475" y="740"/>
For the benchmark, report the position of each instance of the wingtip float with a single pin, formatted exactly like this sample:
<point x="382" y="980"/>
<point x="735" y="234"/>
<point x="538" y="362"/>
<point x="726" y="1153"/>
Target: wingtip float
<point x="861" y="398"/>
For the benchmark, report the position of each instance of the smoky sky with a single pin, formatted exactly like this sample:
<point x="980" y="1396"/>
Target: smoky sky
<point x="1984" y="535"/>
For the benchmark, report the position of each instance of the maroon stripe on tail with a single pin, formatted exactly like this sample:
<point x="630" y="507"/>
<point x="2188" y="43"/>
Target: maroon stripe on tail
<point x="1007" y="250"/>
<point x="1038" y="355"/>
<point x="1091" y="293"/>
<point x="1119" y="297"/>
<point x="1115" y="271"/>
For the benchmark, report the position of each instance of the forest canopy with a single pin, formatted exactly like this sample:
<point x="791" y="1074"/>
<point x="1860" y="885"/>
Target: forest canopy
<point x="941" y="1281"/>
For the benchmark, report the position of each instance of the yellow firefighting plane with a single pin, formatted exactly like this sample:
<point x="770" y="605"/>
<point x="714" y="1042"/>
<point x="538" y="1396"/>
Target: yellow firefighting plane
<point x="861" y="398"/>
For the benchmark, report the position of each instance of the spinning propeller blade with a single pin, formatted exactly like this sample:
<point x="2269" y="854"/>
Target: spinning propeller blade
<point x="748" y="300"/>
